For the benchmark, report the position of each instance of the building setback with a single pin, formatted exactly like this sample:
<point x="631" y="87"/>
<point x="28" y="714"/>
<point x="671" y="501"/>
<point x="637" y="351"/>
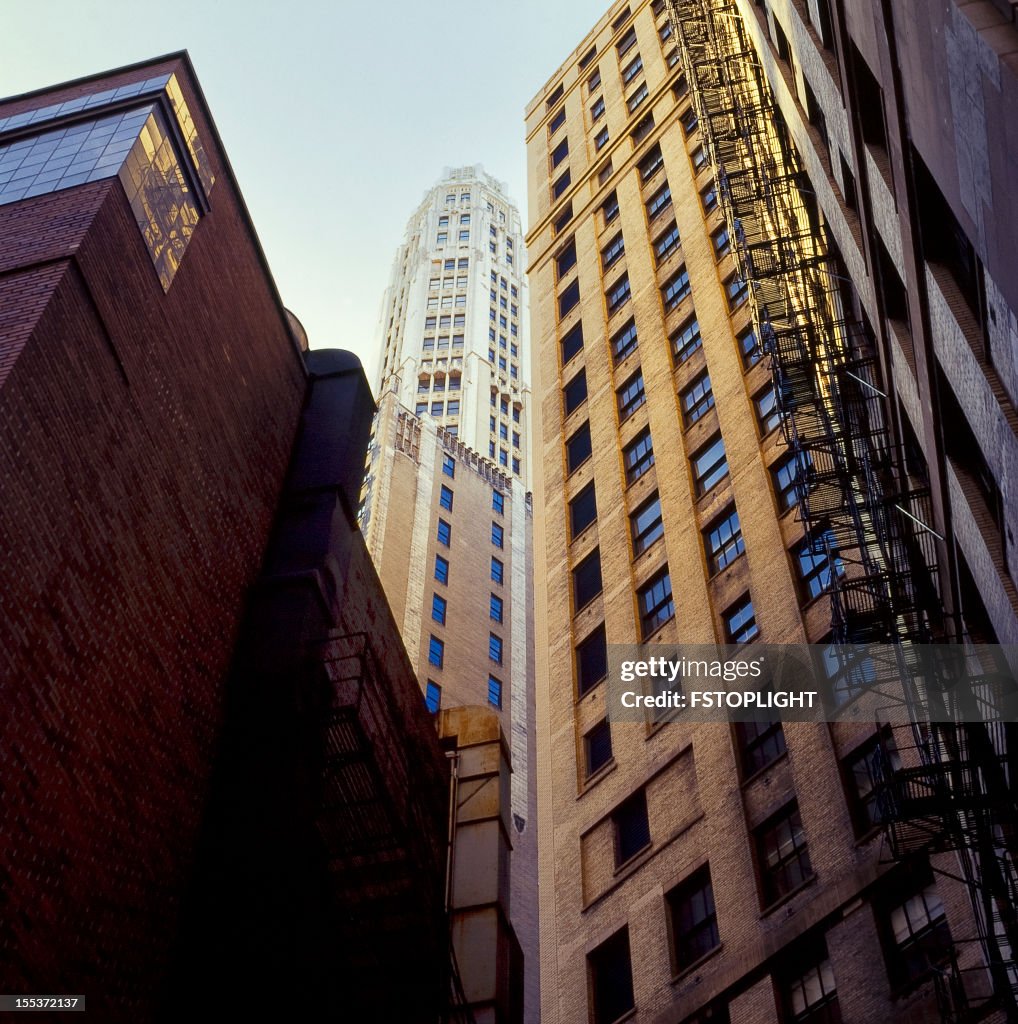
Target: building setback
<point x="700" y="873"/>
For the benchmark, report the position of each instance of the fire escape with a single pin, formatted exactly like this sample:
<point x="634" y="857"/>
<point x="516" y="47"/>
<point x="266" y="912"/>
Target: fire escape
<point x="859" y="505"/>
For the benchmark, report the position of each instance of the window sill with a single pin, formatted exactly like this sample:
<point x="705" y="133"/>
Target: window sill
<point x="590" y="689"/>
<point x="779" y="903"/>
<point x="592" y="780"/>
<point x="696" y="964"/>
<point x="760" y="772"/>
<point x="630" y="864"/>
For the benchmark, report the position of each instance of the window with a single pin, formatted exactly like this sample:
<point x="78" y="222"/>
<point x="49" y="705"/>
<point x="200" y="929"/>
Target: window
<point x="552" y="99"/>
<point x="638" y="97"/>
<point x="611" y="979"/>
<point x="624" y="342"/>
<point x="438" y="608"/>
<point x="665" y="32"/>
<point x="587" y="580"/>
<point x="666" y="243"/>
<point x="556" y="122"/>
<point x="631" y="396"/>
<point x="449" y="465"/>
<point x="588" y="57"/>
<point x="645" y="525"/>
<point x="767" y="415"/>
<point x="676" y="290"/>
<point x="696" y="399"/>
<point x="597" y="747"/>
<point x="737" y="291"/>
<point x="689" y="121"/>
<point x="650" y="164"/>
<point x="572" y="342"/>
<point x="654" y="600"/>
<point x="495" y="692"/>
<point x="618" y="295"/>
<point x="594" y="81"/>
<point x="601" y="139"/>
<point x="563" y="218"/>
<point x="627" y="42"/>
<point x="863" y="769"/>
<point x="497" y="570"/>
<point x="613" y="251"/>
<point x="495" y="607"/>
<point x="710" y="465"/>
<point x="560" y="152"/>
<point x="917" y="935"/>
<point x="740" y="622"/>
<point x="808" y="992"/>
<point x="721" y="241"/>
<point x="561" y="185"/>
<point x="709" y="198"/>
<point x="694" y="921"/>
<point x="433" y="697"/>
<point x="591" y="661"/>
<point x="722" y="541"/>
<point x="582" y="511"/>
<point x="497" y="535"/>
<point x="578" y="449"/>
<point x="568" y="300"/>
<point x="597" y="110"/>
<point x="699" y="159"/>
<point x="465" y="237"/>
<point x="436" y="652"/>
<point x="632" y="827"/>
<point x="444" y="532"/>
<point x="604" y="172"/>
<point x="574" y="394"/>
<point x="631" y="70"/>
<point x="758" y="744"/>
<point x="495" y="648"/>
<point x="441" y="569"/>
<point x="638" y="456"/>
<point x="814" y="564"/>
<point x="782" y="856"/>
<point x="498" y="502"/>
<point x="643" y="128"/>
<point x="686" y="340"/>
<point x="787" y="477"/>
<point x="421" y="409"/>
<point x="610" y="209"/>
<point x="749" y="349"/>
<point x="443" y="237"/>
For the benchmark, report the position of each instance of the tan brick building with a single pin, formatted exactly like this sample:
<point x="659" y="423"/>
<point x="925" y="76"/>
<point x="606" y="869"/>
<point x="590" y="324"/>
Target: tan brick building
<point x="695" y="873"/>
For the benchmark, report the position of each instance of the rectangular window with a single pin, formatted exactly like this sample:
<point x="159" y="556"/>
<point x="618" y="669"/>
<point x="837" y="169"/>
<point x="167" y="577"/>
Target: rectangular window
<point x="436" y="652"/>
<point x="631" y="396"/>
<point x="768" y="417"/>
<point x="749" y="349"/>
<point x="597" y="747"/>
<point x="693" y="918"/>
<point x="445" y="499"/>
<point x="806" y="986"/>
<point x="645" y="525"/>
<point x="627" y="42"/>
<point x="563" y="219"/>
<point x="654" y="600"/>
<point x="632" y="69"/>
<point x="613" y="251"/>
<point x="740" y="622"/>
<point x="495" y="648"/>
<point x="624" y="342"/>
<point x="638" y="456"/>
<point x="495" y="607"/>
<point x="651" y="163"/>
<point x="618" y="295"/>
<point x="561" y="185"/>
<point x="556" y="122"/>
<point x="594" y="81"/>
<point x="643" y="128"/>
<point x="494" y="692"/>
<point x="862" y="770"/>
<point x="610" y="975"/>
<point x="587" y="580"/>
<point x="553" y="98"/>
<point x="498" y="502"/>
<point x="782" y="855"/>
<point x="610" y="209"/>
<point x="686" y="340"/>
<point x="591" y="661"/>
<point x="758" y="744"/>
<point x="660" y="201"/>
<point x="917" y="936"/>
<point x="709" y="198"/>
<point x="572" y="342"/>
<point x="721" y="241"/>
<point x="813" y="561"/>
<point x="689" y="121"/>
<point x="441" y="569"/>
<point x="497" y="570"/>
<point x="497" y="535"/>
<point x="638" y="97"/>
<point x="722" y="541"/>
<point x="737" y="291"/>
<point x="632" y="828"/>
<point x="788" y="478"/>
<point x="697" y="399"/>
<point x="601" y="139"/>
<point x="699" y="159"/>
<point x="604" y="172"/>
<point x="676" y="290"/>
<point x="710" y="465"/>
<point x="438" y="608"/>
<point x="569" y="299"/>
<point x="597" y="110"/>
<point x="588" y="57"/>
<point x="560" y="152"/>
<point x="433" y="697"/>
<point x="449" y="465"/>
<point x="665" y="32"/>
<point x="444" y="532"/>
<point x="666" y="243"/>
<point x="582" y="511"/>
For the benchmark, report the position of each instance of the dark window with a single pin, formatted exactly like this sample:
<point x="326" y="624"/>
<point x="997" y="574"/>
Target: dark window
<point x="788" y="480"/>
<point x="699" y="159"/>
<point x="869" y="106"/>
<point x="591" y="661"/>
<point x="638" y="97"/>
<point x="574" y="394"/>
<point x="438" y="608"/>
<point x="601" y="139"/>
<point x="588" y="57"/>
<point x="560" y="152"/>
<point x="749" y="350"/>
<point x="696" y="399"/>
<point x="587" y="580"/>
<point x="433" y="697"/>
<point x="494" y="692"/>
<point x="618" y="294"/>
<point x="916" y="933"/>
<point x="782" y="855"/>
<point x="659" y="201"/>
<point x="561" y="185"/>
<point x="864" y="768"/>
<point x="441" y="569"/>
<point x="638" y="456"/>
<point x="498" y="502"/>
<point x="566" y="259"/>
<point x="557" y="121"/>
<point x="737" y="291"/>
<point x="495" y="607"/>
<point x="563" y="218"/>
<point x="709" y="198"/>
<point x="597" y="110"/>
<point x="620" y="20"/>
<point x="597" y="747"/>
<point x="445" y="500"/>
<point x="645" y="525"/>
<point x="768" y="417"/>
<point x="759" y="744"/>
<point x="610" y="208"/>
<point x="594" y="81"/>
<point x="578" y="448"/>
<point x="497" y="535"/>
<point x="654" y="599"/>
<point x="449" y="465"/>
<point x="806" y="986"/>
<point x="495" y="648"/>
<point x="650" y="164"/>
<point x="710" y="465"/>
<point x="632" y="828"/>
<point x="569" y="298"/>
<point x="689" y="121"/>
<point x="611" y="979"/>
<point x="628" y="41"/>
<point x="444" y="532"/>
<point x="722" y="541"/>
<point x="686" y="340"/>
<point x="572" y="342"/>
<point x="740" y="622"/>
<point x="582" y="510"/>
<point x="666" y="243"/>
<point x="813" y="562"/>
<point x="436" y="652"/>
<point x="676" y="290"/>
<point x="693" y="918"/>
<point x="721" y="241"/>
<point x="613" y="251"/>
<point x="554" y="96"/>
<point x="632" y="69"/>
<point x="624" y="342"/>
<point x="631" y="396"/>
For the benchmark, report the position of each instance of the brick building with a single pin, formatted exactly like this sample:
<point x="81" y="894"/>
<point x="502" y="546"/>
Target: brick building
<point x="701" y="872"/>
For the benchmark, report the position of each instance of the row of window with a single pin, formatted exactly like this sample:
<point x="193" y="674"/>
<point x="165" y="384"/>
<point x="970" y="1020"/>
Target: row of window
<point x="433" y="694"/>
<point x="438" y="409"/>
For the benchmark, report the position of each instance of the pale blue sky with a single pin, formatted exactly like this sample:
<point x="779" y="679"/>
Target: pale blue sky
<point x="336" y="116"/>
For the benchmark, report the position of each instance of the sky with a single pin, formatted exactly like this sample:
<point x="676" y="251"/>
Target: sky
<point x="336" y="116"/>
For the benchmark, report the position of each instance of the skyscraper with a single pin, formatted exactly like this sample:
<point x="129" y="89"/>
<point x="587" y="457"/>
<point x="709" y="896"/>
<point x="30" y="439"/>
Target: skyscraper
<point x="721" y="464"/>
<point x="447" y="509"/>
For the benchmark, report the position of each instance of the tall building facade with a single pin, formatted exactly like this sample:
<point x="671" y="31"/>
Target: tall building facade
<point x="447" y="509"/>
<point x="720" y="464"/>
